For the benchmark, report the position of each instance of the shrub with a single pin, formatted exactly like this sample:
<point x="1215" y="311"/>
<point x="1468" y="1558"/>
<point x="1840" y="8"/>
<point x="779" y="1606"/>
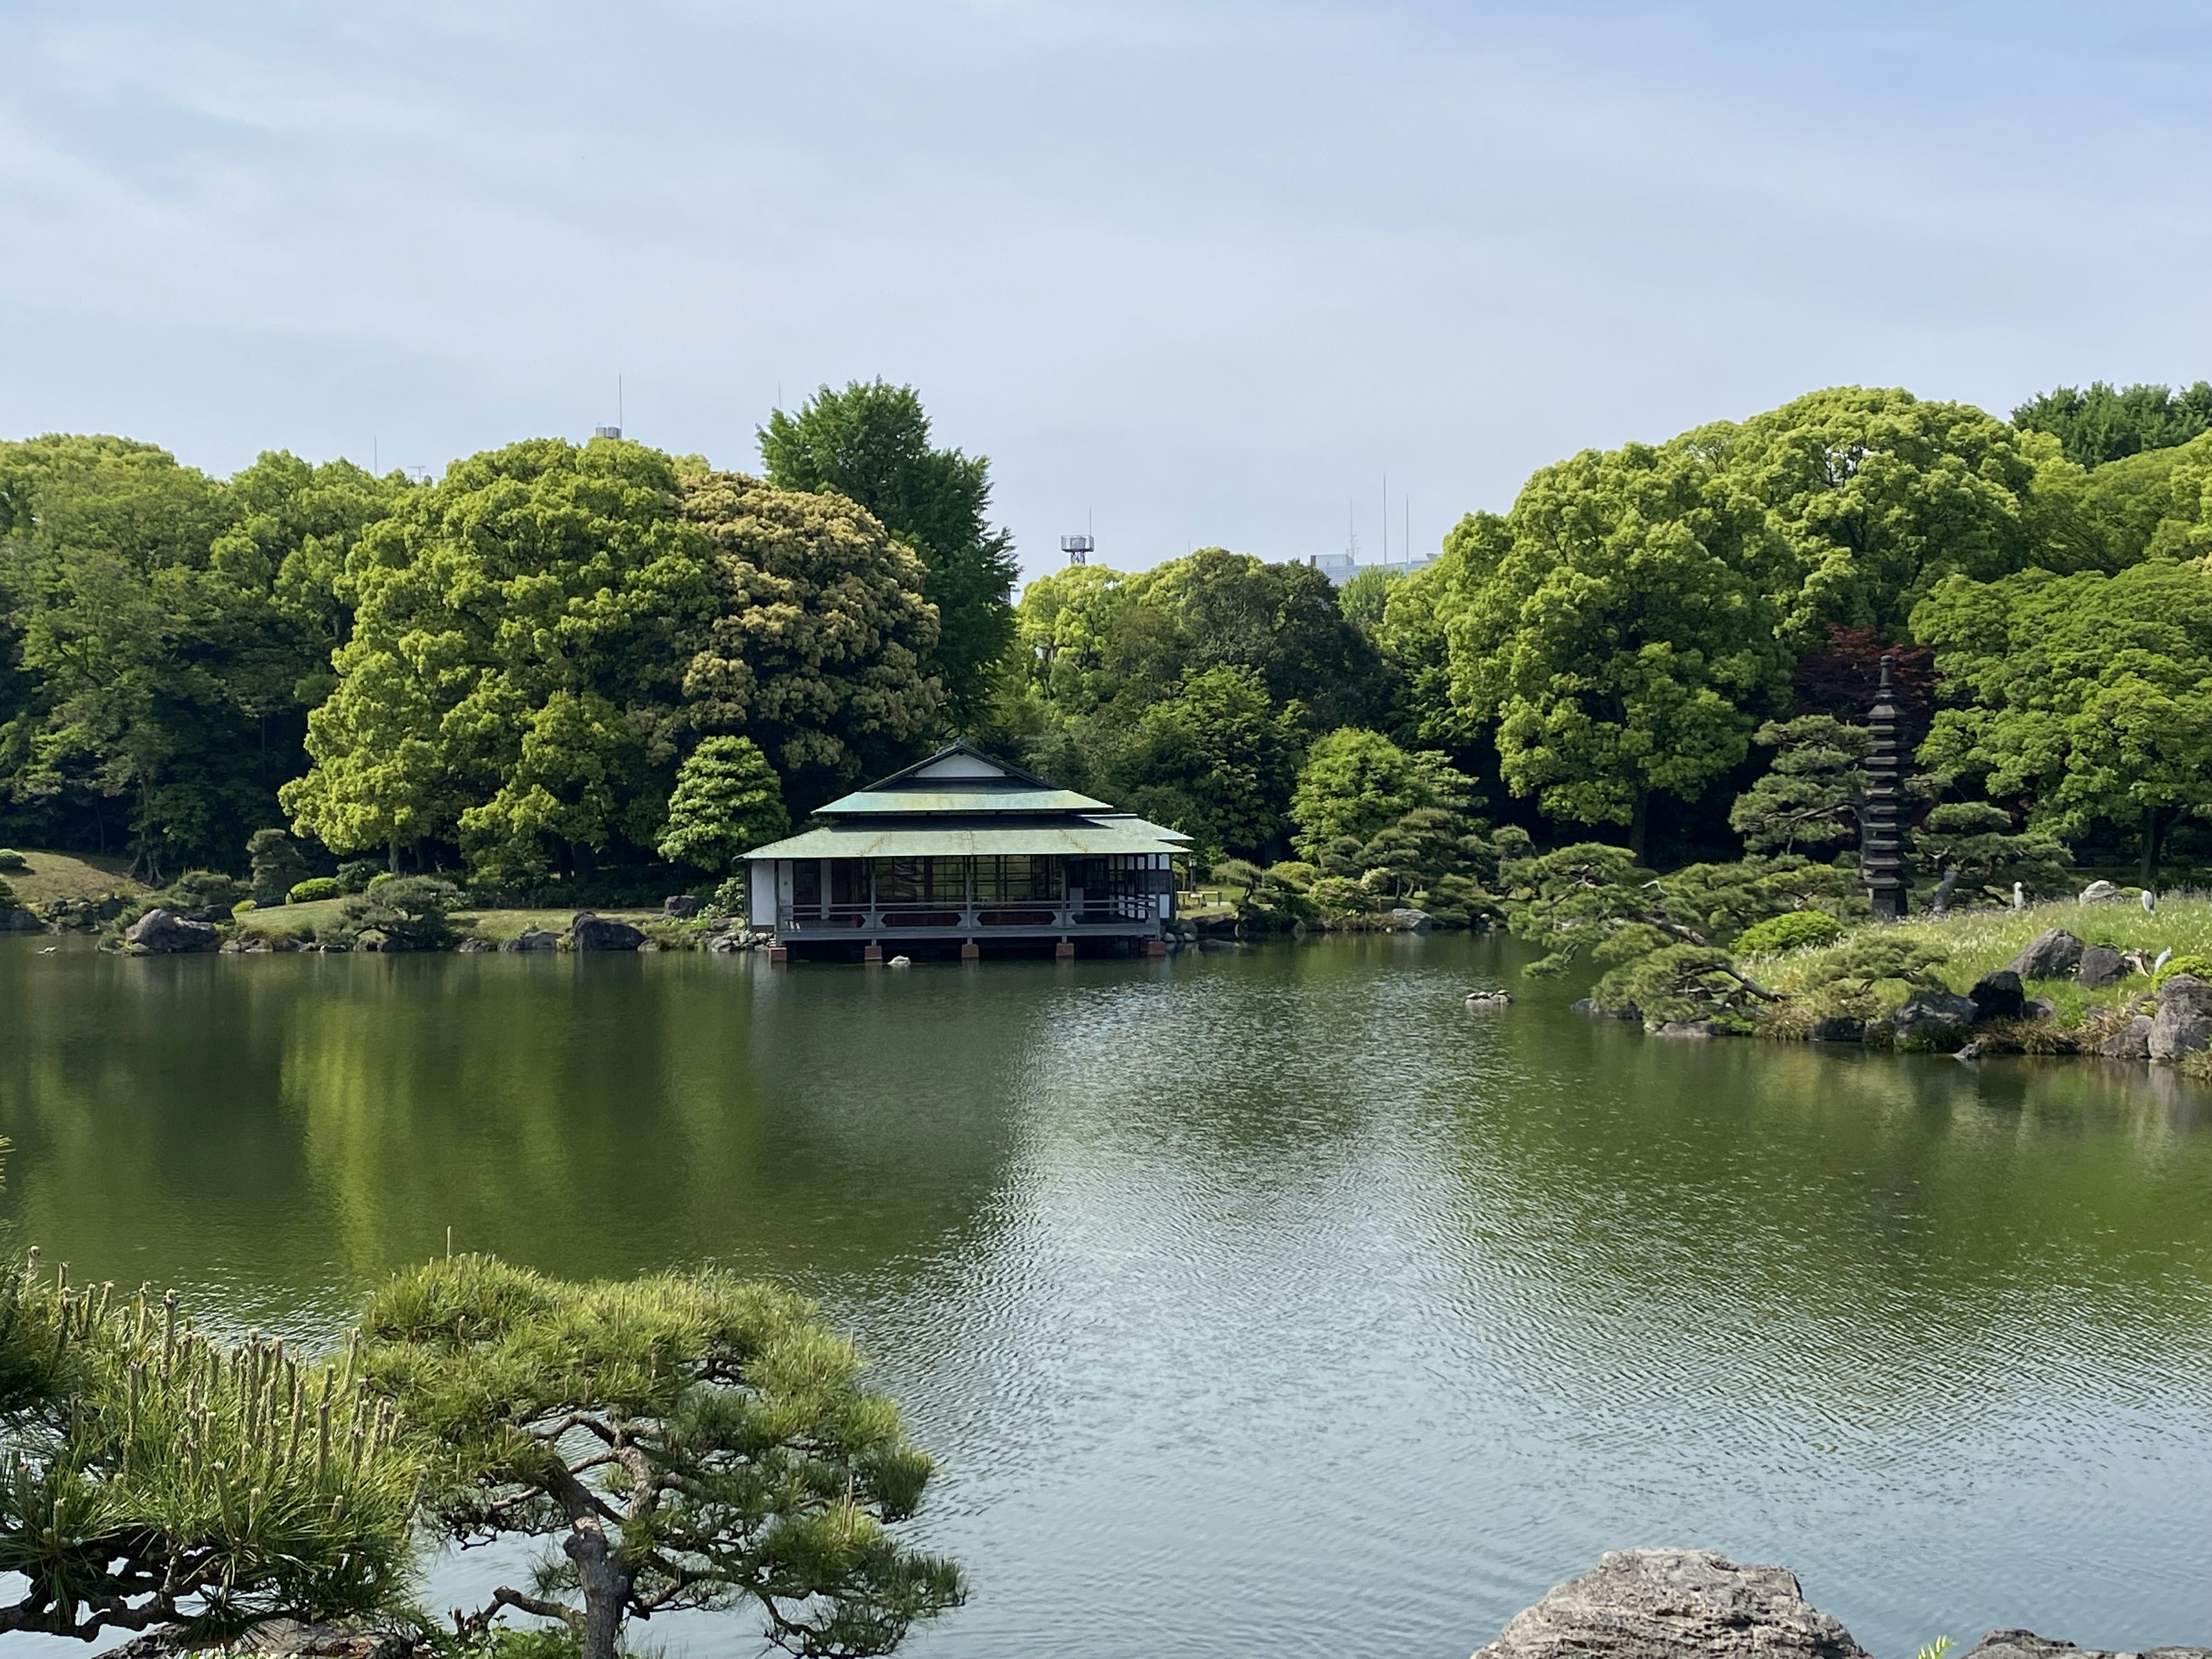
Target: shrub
<point x="198" y="889"/>
<point x="7" y="894"/>
<point x="13" y="862"/>
<point x="277" y="866"/>
<point x="356" y="874"/>
<point x="410" y="911"/>
<point x="2199" y="967"/>
<point x="243" y="906"/>
<point x="732" y="898"/>
<point x="314" y="888"/>
<point x="1790" y="931"/>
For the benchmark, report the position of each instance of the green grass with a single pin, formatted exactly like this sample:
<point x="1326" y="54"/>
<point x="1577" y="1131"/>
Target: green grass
<point x="498" y="926"/>
<point x="70" y="875"/>
<point x="1982" y="941"/>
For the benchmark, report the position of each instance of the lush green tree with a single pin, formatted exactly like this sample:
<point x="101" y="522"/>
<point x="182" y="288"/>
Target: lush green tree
<point x="169" y="635"/>
<point x="277" y="867"/>
<point x="1356" y="782"/>
<point x="1216" y="760"/>
<point x="2089" y="695"/>
<point x="156" y="1478"/>
<point x="1876" y="495"/>
<point x="870" y="443"/>
<point x="820" y="637"/>
<point x="403" y="913"/>
<point x="1618" y="629"/>
<point x="1216" y="608"/>
<point x="690" y="1439"/>
<point x="1064" y="630"/>
<point x="2106" y="423"/>
<point x="512" y="679"/>
<point x="727" y="801"/>
<point x="1366" y="598"/>
<point x="2157" y="504"/>
<point x="1810" y="797"/>
<point x="1974" y="846"/>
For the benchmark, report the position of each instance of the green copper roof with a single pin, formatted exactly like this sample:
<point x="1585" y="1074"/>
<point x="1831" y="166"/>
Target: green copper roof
<point x="989" y="799"/>
<point x="867" y="840"/>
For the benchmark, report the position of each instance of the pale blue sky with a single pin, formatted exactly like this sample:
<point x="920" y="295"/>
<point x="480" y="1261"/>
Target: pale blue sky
<point x="1205" y="269"/>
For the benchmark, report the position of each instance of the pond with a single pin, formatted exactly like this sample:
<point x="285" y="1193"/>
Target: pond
<point x="1256" y="1302"/>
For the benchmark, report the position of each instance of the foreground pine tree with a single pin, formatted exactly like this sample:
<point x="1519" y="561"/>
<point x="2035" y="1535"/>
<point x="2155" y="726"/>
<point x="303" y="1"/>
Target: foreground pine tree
<point x="152" y="1477"/>
<point x="692" y="1440"/>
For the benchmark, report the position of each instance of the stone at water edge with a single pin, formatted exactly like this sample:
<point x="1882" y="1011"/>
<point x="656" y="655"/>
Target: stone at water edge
<point x="2183" y="1024"/>
<point x="2099" y="892"/>
<point x="2051" y="954"/>
<point x="1489" y="998"/>
<point x="2130" y="1041"/>
<point x="1997" y="996"/>
<point x="2101" y="965"/>
<point x="589" y="933"/>
<point x="1406" y="920"/>
<point x="1674" y="1604"/>
<point x="1932" y="1020"/>
<point x="1837" y="1028"/>
<point x="2027" y="1644"/>
<point x="1683" y="1027"/>
<point x="20" y="921"/>
<point x="533" y="939"/>
<point x="163" y="933"/>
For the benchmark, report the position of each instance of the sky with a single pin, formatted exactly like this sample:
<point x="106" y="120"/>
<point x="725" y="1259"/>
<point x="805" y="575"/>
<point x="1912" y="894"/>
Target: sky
<point x="1189" y="273"/>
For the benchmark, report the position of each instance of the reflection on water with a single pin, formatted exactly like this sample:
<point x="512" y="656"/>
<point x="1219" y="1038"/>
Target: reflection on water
<point x="1257" y="1303"/>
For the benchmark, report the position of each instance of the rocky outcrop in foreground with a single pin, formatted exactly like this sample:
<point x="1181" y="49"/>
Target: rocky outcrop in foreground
<point x="1683" y="1604"/>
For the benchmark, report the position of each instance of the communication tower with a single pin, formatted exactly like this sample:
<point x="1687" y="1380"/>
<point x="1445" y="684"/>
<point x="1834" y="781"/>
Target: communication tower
<point x="1078" y="549"/>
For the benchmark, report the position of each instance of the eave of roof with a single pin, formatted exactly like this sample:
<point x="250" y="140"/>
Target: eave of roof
<point x="988" y="799"/>
<point x="873" y="841"/>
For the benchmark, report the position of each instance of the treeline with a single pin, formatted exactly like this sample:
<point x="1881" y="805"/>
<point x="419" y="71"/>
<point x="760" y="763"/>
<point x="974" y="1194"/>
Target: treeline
<point x="515" y="671"/>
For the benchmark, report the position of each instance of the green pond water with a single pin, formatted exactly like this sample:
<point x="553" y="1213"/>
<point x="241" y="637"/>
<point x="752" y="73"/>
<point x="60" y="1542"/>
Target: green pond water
<point x="1257" y="1303"/>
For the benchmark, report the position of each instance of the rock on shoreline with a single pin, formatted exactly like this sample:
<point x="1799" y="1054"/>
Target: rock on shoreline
<point x="1683" y="1603"/>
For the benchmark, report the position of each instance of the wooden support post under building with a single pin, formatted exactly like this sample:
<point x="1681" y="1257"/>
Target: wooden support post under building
<point x="872" y="954"/>
<point x="1156" y="947"/>
<point x="778" y="954"/>
<point x="1063" y="952"/>
<point x="969" y="950"/>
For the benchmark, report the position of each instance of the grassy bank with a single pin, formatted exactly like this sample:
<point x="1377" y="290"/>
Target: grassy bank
<point x="54" y="876"/>
<point x="1980" y="942"/>
<point x="303" y="920"/>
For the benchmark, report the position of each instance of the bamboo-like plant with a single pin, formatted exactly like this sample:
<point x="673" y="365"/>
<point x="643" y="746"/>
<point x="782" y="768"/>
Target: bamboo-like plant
<point x="153" y="1475"/>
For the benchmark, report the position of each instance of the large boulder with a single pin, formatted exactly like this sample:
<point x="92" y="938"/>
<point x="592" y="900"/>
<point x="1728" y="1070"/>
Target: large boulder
<point x="533" y="938"/>
<point x="2051" y="954"/>
<point x="2130" y="1041"/>
<point x="1998" y="996"/>
<point x="163" y="933"/>
<point x="2101" y="965"/>
<point x="15" y="919"/>
<point x="2184" y="1021"/>
<point x="682" y="906"/>
<point x="1674" y="1604"/>
<point x="2027" y="1644"/>
<point x="1406" y="920"/>
<point x="1932" y="1022"/>
<point x="2101" y="892"/>
<point x="590" y="933"/>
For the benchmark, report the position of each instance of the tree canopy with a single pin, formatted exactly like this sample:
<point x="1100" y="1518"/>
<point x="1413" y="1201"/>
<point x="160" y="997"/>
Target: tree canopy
<point x="2105" y="422"/>
<point x="2088" y="695"/>
<point x="689" y="1440"/>
<point x="871" y="443"/>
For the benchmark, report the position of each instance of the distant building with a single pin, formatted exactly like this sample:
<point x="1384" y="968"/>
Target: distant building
<point x="1341" y="567"/>
<point x="960" y="852"/>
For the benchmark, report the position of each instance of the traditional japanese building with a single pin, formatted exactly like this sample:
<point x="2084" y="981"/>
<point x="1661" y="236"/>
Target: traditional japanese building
<point x="963" y="853"/>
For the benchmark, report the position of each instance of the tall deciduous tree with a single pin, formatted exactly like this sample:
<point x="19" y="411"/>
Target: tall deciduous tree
<point x="2106" y="423"/>
<point x="1356" y="783"/>
<point x="511" y="679"/>
<point x="2089" y="695"/>
<point x="820" y="635"/>
<point x="1617" y="628"/>
<point x="1217" y="760"/>
<point x="727" y="801"/>
<point x="871" y="443"/>
<point x="691" y="1441"/>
